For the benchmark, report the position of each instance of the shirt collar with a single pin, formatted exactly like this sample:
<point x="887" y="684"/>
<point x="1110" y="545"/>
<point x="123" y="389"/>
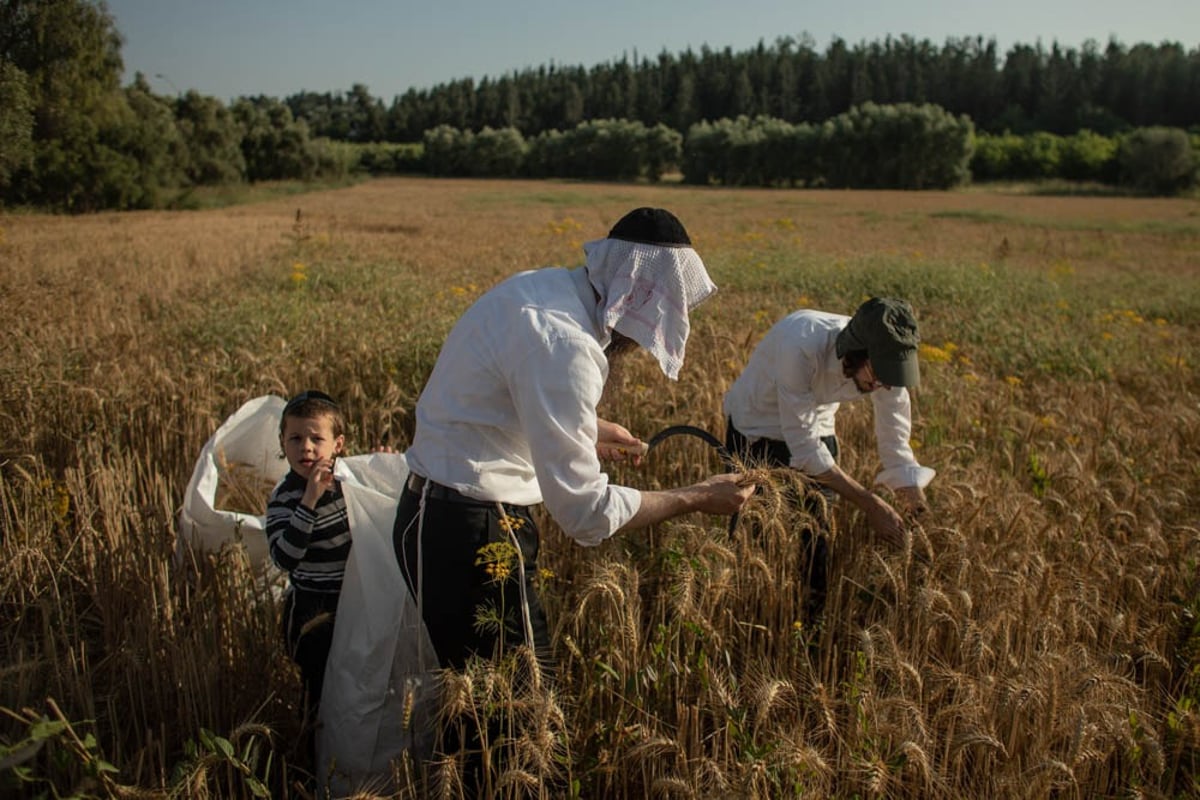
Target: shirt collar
<point x="591" y="304"/>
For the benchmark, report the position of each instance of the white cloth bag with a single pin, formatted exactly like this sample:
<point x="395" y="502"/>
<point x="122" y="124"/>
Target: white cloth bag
<point x="380" y="693"/>
<point x="250" y="438"/>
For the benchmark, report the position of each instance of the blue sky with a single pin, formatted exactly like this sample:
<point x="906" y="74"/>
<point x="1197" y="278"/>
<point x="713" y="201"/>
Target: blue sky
<point x="229" y="48"/>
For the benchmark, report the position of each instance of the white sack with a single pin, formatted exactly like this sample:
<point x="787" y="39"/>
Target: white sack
<point x="379" y="696"/>
<point x="249" y="438"/>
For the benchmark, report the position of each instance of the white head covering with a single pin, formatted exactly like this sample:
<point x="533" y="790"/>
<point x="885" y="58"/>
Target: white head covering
<point x="646" y="292"/>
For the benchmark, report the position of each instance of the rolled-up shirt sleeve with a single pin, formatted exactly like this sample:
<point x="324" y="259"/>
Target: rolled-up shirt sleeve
<point x="801" y="418"/>
<point x="893" y="431"/>
<point x="555" y="399"/>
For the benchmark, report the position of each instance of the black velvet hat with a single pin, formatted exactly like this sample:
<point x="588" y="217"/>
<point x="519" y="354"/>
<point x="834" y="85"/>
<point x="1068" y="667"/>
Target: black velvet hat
<point x="655" y="226"/>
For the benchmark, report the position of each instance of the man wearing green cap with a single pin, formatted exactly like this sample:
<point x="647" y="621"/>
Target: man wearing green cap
<point x="781" y="410"/>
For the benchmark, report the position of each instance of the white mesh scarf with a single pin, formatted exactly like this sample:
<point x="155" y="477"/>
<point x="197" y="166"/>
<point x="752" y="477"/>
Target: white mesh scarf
<point x="646" y="292"/>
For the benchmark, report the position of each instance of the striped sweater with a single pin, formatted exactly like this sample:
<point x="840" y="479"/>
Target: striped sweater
<point x="311" y="545"/>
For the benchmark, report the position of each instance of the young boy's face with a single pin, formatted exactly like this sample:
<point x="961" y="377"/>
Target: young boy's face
<point x="309" y="443"/>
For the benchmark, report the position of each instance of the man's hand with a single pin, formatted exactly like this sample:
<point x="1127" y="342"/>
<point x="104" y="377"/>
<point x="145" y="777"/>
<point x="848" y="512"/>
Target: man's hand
<point x="724" y="493"/>
<point x="615" y="443"/>
<point x="912" y="500"/>
<point x="886" y="523"/>
<point x="882" y="518"/>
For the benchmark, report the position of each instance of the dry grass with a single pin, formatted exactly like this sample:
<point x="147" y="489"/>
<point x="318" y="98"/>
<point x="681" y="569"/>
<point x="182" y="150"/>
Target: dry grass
<point x="1048" y="647"/>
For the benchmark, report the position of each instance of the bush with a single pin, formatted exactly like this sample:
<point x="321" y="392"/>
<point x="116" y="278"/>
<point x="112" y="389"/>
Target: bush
<point x="604" y="149"/>
<point x="609" y="149"/>
<point x="662" y="148"/>
<point x="733" y="152"/>
<point x="547" y="155"/>
<point x="1037" y="158"/>
<point x="902" y="146"/>
<point x="389" y="158"/>
<point x="994" y="156"/>
<point x="1088" y="156"/>
<point x="1158" y="161"/>
<point x="447" y="151"/>
<point x="497" y="153"/>
<point x="333" y="159"/>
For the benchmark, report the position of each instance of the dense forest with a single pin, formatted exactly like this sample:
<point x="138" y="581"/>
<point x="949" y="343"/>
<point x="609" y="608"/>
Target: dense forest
<point x="73" y="138"/>
<point x="1030" y="88"/>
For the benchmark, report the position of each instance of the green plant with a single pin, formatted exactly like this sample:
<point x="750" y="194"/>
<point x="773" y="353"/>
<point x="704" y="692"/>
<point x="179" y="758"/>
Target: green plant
<point x="50" y="750"/>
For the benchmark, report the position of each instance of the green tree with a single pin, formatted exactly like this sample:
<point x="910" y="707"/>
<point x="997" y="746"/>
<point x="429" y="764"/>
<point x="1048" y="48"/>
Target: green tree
<point x="368" y="120"/>
<point x="148" y="134"/>
<point x="274" y="144"/>
<point x="212" y="140"/>
<point x="69" y="52"/>
<point x="16" y="122"/>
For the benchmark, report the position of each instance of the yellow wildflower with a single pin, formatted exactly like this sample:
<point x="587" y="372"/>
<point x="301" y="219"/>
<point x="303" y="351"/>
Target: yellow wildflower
<point x="511" y="524"/>
<point x="497" y="559"/>
<point x="934" y="355"/>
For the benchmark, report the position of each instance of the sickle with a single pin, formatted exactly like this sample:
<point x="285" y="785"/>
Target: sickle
<point x="690" y="430"/>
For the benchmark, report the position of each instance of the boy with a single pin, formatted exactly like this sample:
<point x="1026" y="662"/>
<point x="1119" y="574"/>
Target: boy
<point x="308" y="532"/>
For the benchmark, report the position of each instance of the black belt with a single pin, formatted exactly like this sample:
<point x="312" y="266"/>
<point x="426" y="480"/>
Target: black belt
<point x="436" y="491"/>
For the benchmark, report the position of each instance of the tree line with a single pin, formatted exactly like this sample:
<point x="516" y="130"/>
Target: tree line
<point x="1030" y="88"/>
<point x="72" y="138"/>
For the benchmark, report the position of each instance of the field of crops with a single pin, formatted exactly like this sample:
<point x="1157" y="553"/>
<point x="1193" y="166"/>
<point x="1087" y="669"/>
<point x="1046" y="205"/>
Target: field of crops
<point x="1049" y="648"/>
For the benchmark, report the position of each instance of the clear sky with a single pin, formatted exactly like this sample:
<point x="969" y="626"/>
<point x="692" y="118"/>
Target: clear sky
<point x="230" y="48"/>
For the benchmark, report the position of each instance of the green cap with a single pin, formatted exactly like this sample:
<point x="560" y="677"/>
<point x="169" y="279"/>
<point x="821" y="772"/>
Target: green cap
<point x="887" y="329"/>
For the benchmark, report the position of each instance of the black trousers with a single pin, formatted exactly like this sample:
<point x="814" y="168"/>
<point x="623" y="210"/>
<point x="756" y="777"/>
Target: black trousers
<point x="308" y="619"/>
<point x="815" y="544"/>
<point x="469" y="567"/>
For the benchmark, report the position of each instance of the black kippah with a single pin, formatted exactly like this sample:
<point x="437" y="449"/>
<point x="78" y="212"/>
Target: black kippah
<point x="655" y="226"/>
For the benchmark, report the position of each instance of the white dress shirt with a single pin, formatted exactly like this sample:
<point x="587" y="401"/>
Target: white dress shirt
<point x="509" y="412"/>
<point x="792" y="387"/>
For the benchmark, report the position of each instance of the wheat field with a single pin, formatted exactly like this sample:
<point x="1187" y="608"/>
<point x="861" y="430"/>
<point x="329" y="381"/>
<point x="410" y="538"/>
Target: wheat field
<point x="1038" y="639"/>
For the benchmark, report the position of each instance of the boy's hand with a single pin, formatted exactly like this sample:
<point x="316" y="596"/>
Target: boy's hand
<point x="320" y="480"/>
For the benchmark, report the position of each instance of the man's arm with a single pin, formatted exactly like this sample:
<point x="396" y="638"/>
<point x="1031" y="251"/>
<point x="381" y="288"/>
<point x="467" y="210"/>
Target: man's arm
<point x="721" y="494"/>
<point x="882" y="517"/>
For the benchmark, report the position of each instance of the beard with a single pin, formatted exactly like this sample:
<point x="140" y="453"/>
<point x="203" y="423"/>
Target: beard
<point x="615" y="353"/>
